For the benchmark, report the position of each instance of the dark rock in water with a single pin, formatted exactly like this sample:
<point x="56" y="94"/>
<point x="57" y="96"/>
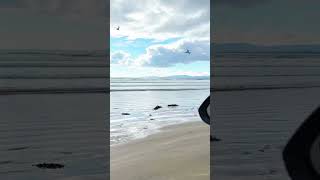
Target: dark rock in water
<point x="173" y="105"/>
<point x="49" y="166"/>
<point x="125" y="114"/>
<point x="214" y="138"/>
<point x="157" y="107"/>
<point x="151" y="119"/>
<point x="150" y="115"/>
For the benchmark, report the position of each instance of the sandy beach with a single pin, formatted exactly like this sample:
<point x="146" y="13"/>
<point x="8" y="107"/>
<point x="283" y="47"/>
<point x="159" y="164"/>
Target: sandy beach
<point x="178" y="152"/>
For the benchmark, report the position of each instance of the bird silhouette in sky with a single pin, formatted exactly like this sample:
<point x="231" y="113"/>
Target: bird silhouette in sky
<point x="188" y="51"/>
<point x="118" y="28"/>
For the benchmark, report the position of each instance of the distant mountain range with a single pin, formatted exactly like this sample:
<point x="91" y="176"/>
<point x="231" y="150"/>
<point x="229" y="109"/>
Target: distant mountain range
<point x="245" y="47"/>
<point x="183" y="77"/>
<point x="176" y="77"/>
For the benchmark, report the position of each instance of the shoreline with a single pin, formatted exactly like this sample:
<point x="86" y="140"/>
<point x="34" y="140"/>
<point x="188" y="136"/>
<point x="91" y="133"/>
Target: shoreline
<point x="157" y="131"/>
<point x="180" y="151"/>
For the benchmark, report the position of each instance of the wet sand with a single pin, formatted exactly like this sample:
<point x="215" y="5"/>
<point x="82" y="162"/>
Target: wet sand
<point x="179" y="152"/>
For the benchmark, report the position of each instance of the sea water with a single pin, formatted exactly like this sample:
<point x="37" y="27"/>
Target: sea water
<point x="139" y="97"/>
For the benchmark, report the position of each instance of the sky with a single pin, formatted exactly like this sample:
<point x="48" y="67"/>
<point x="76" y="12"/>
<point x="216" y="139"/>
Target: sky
<point x="154" y="35"/>
<point x="266" y="22"/>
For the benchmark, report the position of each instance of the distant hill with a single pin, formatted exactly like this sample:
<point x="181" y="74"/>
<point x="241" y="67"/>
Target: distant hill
<point x="176" y="77"/>
<point x="186" y="77"/>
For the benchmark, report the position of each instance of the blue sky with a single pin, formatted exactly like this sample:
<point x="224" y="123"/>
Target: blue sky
<point x="154" y="35"/>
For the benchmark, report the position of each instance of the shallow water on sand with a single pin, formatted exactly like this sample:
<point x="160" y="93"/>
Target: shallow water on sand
<point x="139" y="97"/>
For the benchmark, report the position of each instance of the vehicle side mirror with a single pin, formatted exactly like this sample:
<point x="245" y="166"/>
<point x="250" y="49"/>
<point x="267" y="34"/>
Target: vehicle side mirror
<point x="302" y="153"/>
<point x="204" y="111"/>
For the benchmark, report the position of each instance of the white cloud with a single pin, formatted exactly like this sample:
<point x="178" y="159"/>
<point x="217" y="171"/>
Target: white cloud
<point x="171" y="54"/>
<point x="165" y="55"/>
<point x="160" y="19"/>
<point x="121" y="57"/>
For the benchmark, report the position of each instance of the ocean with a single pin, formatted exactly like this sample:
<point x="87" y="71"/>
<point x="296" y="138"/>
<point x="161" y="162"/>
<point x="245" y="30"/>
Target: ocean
<point x="139" y="97"/>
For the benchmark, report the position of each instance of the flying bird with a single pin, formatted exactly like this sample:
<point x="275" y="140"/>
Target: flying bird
<point x="188" y="52"/>
<point x="118" y="28"/>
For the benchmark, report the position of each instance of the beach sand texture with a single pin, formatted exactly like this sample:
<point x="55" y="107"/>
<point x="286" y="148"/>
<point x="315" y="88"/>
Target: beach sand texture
<point x="179" y="152"/>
